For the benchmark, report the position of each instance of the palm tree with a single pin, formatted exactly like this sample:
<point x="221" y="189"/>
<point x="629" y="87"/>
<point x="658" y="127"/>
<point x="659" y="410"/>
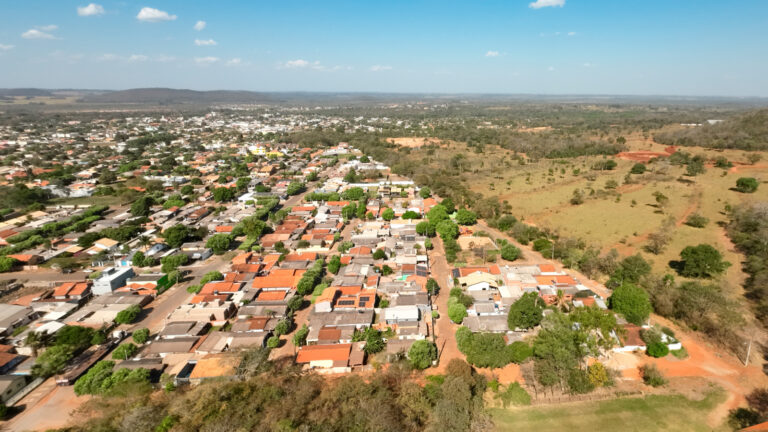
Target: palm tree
<point x="37" y="340"/>
<point x="561" y="303"/>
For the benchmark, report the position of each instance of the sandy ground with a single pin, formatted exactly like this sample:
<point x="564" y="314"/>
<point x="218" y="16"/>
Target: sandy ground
<point x="413" y="142"/>
<point x="42" y="413"/>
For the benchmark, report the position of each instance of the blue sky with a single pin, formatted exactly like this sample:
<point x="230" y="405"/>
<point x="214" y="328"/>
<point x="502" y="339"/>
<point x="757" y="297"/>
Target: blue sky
<point x="644" y="47"/>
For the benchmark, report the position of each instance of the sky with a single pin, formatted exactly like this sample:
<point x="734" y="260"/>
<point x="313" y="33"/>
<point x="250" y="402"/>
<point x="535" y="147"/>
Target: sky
<point x="612" y="47"/>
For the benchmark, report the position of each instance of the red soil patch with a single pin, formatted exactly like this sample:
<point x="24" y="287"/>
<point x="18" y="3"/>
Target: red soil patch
<point x="645" y="156"/>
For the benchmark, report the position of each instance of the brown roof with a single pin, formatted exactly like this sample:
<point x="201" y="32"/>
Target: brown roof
<point x="309" y="353"/>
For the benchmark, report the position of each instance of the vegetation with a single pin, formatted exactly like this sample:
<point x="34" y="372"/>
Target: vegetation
<point x="526" y="312"/>
<point x="702" y="261"/>
<point x="632" y="302"/>
<point x="422" y="354"/>
<point x="490" y="349"/>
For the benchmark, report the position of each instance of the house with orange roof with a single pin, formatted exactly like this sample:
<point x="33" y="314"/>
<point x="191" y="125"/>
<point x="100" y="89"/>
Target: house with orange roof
<point x="333" y="358"/>
<point x="72" y="290"/>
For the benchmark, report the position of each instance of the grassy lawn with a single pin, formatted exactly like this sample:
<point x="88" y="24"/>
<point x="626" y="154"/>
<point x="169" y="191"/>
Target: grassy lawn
<point x="650" y="413"/>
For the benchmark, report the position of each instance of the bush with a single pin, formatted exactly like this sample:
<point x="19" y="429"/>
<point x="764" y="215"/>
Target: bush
<point x="746" y="185"/>
<point x="741" y="418"/>
<point x="657" y="349"/>
<point x="697" y="221"/>
<point x="124" y="351"/>
<point x="457" y="312"/>
<point x="219" y="243"/>
<point x="579" y="382"/>
<point x="422" y="354"/>
<point x="141" y="336"/>
<point x="510" y="252"/>
<point x="129" y="315"/>
<point x="598" y="375"/>
<point x="519" y="352"/>
<point x="273" y="342"/>
<point x="638" y="168"/>
<point x="652" y="376"/>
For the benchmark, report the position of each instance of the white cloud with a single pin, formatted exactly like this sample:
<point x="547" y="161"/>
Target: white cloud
<point x="90" y="10"/>
<point x="108" y="57"/>
<point x="538" y="4"/>
<point x="47" y="28"/>
<point x="492" y="54"/>
<point x="299" y="63"/>
<point x="199" y="25"/>
<point x="235" y="62"/>
<point x="37" y="34"/>
<point x="206" y="60"/>
<point x="149" y="14"/>
<point x="5" y="47"/>
<point x="137" y="58"/>
<point x="208" y="42"/>
<point x="378" y="68"/>
<point x="162" y="58"/>
<point x="551" y="68"/>
<point x="571" y="33"/>
<point x="587" y="64"/>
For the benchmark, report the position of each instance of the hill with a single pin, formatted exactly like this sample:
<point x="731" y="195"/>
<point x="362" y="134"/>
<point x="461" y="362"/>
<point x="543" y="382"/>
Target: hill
<point x="748" y="131"/>
<point x="167" y="96"/>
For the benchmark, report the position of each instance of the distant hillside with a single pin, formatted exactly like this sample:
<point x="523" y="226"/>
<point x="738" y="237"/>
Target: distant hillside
<point x="747" y="131"/>
<point x="24" y="92"/>
<point x="167" y="96"/>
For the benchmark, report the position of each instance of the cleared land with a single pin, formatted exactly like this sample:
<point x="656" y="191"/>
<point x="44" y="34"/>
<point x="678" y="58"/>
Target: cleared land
<point x="650" y="413"/>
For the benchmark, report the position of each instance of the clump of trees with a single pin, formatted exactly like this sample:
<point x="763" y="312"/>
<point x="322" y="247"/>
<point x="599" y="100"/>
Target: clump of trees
<point x="746" y="185"/>
<point x="490" y="349"/>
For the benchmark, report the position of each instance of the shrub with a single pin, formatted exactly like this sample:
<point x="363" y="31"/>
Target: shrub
<point x="657" y="349"/>
<point x="509" y="252"/>
<point x="638" y="168"/>
<point x="140" y="336"/>
<point x="129" y="315"/>
<point x="457" y="312"/>
<point x="124" y="351"/>
<point x="466" y="217"/>
<point x="652" y="376"/>
<point x="697" y="221"/>
<point x="702" y="261"/>
<point x="526" y="312"/>
<point x="273" y="342"/>
<point x="598" y="374"/>
<point x="422" y="354"/>
<point x="746" y="185"/>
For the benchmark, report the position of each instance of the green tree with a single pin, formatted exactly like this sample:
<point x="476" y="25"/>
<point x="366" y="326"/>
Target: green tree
<point x="128" y="315"/>
<point x="7" y="264"/>
<point x="124" y="351"/>
<point x="172" y="262"/>
<point x="432" y="286"/>
<point x="142" y="206"/>
<point x="379" y="254"/>
<point x="219" y="243"/>
<point x="457" y="312"/>
<point x="176" y="235"/>
<point x="422" y="354"/>
<point x="425" y="192"/>
<point x="224" y="194"/>
<point x="638" y="168"/>
<point x="746" y="185"/>
<point x="631" y="301"/>
<point x="466" y="217"/>
<point x="294" y="188"/>
<point x="509" y="252"/>
<point x="388" y="214"/>
<point x="425" y="228"/>
<point x="141" y="336"/>
<point x="702" y="261"/>
<point x="526" y="312"/>
<point x="300" y="337"/>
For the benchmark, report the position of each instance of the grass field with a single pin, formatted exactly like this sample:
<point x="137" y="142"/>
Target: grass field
<point x="650" y="413"/>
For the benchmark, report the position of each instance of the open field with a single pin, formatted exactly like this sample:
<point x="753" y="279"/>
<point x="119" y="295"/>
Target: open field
<point x="413" y="142"/>
<point x="38" y="100"/>
<point x="650" y="413"/>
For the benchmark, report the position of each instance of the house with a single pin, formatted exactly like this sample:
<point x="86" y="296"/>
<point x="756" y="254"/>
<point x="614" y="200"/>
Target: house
<point x="10" y="385"/>
<point x="13" y="316"/>
<point x="111" y="279"/>
<point x="479" y="281"/>
<point x="399" y="314"/>
<point x="331" y="357"/>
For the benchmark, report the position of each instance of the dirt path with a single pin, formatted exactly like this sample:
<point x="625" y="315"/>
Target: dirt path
<point x="738" y="168"/>
<point x="445" y="329"/>
<point x="46" y="412"/>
